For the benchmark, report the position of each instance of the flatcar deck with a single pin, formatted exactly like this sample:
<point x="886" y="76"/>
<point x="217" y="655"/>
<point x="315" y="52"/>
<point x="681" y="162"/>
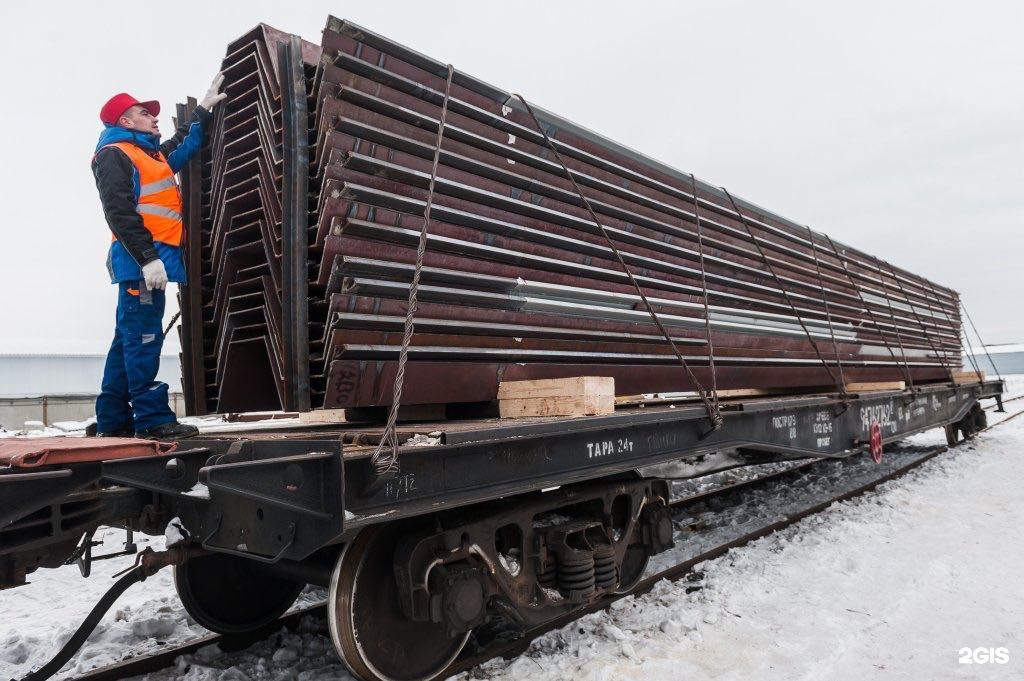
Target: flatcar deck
<point x="480" y="460"/>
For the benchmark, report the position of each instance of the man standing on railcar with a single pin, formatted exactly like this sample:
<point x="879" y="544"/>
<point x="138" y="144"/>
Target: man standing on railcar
<point x="134" y="174"/>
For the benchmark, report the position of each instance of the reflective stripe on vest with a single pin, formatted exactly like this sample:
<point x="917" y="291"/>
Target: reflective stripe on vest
<point x="159" y="199"/>
<point x="154" y="187"/>
<point x="147" y="209"/>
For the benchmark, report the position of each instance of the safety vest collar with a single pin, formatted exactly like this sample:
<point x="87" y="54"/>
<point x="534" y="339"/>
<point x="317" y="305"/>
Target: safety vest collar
<point x="112" y="134"/>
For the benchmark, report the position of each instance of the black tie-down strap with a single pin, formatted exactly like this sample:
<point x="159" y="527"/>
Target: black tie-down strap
<point x="838" y="380"/>
<point x="905" y="366"/>
<point x="940" y="355"/>
<point x="980" y="340"/>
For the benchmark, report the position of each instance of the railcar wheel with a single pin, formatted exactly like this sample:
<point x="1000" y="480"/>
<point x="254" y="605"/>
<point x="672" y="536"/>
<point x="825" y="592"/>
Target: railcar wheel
<point x="232" y="595"/>
<point x="372" y="636"/>
<point x="980" y="417"/>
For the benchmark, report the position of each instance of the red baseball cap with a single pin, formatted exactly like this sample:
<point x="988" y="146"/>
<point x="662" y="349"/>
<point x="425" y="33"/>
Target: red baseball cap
<point x="120" y="103"/>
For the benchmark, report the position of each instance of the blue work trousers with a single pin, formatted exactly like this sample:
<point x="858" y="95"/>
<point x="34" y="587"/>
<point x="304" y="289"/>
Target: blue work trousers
<point x="131" y="398"/>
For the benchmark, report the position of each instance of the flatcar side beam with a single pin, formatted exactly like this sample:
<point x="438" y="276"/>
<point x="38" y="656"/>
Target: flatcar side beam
<point x="552" y="454"/>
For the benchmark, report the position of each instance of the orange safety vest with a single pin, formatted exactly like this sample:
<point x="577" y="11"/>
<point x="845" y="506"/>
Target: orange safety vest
<point x="159" y="197"/>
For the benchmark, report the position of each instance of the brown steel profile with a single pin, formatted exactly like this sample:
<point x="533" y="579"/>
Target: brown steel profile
<point x="295" y="225"/>
<point x="905" y="366"/>
<point x="714" y="414"/>
<point x="415" y="86"/>
<point x="980" y="340"/>
<point x="963" y="329"/>
<point x="190" y="295"/>
<point x="824" y="300"/>
<point x="423" y="121"/>
<point x="771" y="270"/>
<point x="704" y="289"/>
<point x="383" y="465"/>
<point x="940" y="355"/>
<point x="510" y="248"/>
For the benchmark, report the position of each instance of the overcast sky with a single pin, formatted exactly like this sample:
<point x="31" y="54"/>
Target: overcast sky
<point x="895" y="127"/>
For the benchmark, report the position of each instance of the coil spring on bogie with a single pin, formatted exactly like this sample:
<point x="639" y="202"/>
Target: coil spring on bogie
<point x="548" y="575"/>
<point x="606" y="572"/>
<point x="576" y="574"/>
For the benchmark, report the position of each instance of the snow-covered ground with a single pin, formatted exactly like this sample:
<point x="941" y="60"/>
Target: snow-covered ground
<point x="891" y="585"/>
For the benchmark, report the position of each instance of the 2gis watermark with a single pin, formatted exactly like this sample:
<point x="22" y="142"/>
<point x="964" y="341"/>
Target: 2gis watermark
<point x="967" y="655"/>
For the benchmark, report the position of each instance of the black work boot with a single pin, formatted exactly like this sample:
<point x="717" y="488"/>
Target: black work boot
<point x="124" y="432"/>
<point x="171" y="430"/>
<point x="90" y="431"/>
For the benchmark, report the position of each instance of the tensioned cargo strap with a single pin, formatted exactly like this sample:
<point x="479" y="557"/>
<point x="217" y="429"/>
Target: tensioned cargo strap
<point x="704" y="288"/>
<point x="840" y="386"/>
<point x="714" y="415"/>
<point x="158" y="186"/>
<point x="385" y="464"/>
<point x="905" y="367"/>
<point x="970" y="349"/>
<point x="892" y="317"/>
<point x="150" y="209"/>
<point x="963" y="330"/>
<point x="824" y="300"/>
<point x="980" y="340"/>
<point x="935" y="296"/>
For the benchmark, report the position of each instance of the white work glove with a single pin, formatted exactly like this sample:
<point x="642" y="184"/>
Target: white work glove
<point x="155" y="275"/>
<point x="214" y="95"/>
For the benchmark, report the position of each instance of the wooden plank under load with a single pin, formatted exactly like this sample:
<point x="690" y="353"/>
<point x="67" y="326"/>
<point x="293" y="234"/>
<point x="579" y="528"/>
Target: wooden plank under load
<point x="518" y="281"/>
<point x="579" y="396"/>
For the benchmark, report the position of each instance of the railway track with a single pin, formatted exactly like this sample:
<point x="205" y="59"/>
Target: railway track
<point x="719" y="500"/>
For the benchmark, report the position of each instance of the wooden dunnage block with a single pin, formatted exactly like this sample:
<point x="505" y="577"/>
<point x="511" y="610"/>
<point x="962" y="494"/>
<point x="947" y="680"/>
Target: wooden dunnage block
<point x="578" y="396"/>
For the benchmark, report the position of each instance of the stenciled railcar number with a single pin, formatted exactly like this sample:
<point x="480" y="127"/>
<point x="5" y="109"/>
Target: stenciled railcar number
<point x="401" y="486"/>
<point x="609" y="447"/>
<point x="822" y="427"/>
<point x="785" y="423"/>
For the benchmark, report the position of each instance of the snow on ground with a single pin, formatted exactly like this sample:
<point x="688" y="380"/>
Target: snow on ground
<point x="890" y="585"/>
<point x="36" y="619"/>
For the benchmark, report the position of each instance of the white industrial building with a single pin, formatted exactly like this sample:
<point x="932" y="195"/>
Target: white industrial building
<point x="1008" y="358"/>
<point x="62" y="387"/>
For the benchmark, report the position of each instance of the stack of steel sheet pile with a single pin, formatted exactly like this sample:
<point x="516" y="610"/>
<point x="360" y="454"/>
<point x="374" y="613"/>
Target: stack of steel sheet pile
<point x="519" y="282"/>
<point x="241" y="269"/>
